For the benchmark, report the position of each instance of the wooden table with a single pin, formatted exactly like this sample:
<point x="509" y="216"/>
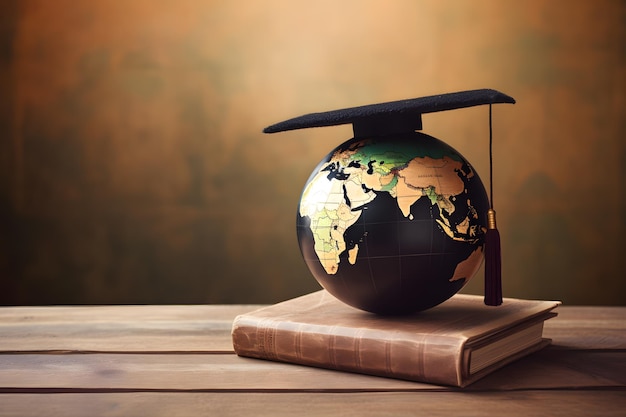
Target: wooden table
<point x="178" y="361"/>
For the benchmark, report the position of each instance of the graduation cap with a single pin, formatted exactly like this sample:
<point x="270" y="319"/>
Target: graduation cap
<point x="406" y="116"/>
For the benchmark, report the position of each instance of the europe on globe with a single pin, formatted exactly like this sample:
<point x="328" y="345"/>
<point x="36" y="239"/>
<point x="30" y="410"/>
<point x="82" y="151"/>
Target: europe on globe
<point x="393" y="224"/>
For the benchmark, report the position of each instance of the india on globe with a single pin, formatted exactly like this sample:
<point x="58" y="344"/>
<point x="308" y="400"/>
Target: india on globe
<point x="393" y="224"/>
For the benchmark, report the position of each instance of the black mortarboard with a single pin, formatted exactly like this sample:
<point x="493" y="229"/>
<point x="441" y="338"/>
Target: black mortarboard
<point x="406" y="116"/>
<point x="393" y="116"/>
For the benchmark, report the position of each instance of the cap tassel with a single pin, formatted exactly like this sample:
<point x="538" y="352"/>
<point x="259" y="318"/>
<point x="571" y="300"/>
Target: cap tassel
<point x="493" y="260"/>
<point x="493" y="266"/>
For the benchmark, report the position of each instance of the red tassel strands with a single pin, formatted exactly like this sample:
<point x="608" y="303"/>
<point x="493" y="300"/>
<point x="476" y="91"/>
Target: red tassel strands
<point x="493" y="260"/>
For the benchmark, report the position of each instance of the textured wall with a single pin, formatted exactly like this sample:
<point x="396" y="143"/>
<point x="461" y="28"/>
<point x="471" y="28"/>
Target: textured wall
<point x="134" y="170"/>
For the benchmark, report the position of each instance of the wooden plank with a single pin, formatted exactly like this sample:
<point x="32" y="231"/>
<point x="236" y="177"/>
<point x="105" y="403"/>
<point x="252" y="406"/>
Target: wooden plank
<point x="555" y="368"/>
<point x="608" y="315"/>
<point x="550" y="368"/>
<point x="588" y="327"/>
<point x="163" y="336"/>
<point x="201" y="328"/>
<point x="206" y="328"/>
<point x="178" y="372"/>
<point x="432" y="404"/>
<point x="122" y="313"/>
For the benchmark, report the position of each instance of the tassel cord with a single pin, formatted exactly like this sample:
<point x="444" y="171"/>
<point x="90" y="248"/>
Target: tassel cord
<point x="493" y="266"/>
<point x="490" y="159"/>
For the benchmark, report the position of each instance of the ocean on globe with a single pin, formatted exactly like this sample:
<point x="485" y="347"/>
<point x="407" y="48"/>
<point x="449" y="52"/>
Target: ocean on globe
<point x="393" y="224"/>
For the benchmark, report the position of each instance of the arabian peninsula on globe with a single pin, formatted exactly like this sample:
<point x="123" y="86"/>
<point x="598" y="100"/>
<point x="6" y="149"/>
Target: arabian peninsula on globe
<point x="393" y="225"/>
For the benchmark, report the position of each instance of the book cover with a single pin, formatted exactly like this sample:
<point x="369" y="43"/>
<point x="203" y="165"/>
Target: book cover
<point x="455" y="343"/>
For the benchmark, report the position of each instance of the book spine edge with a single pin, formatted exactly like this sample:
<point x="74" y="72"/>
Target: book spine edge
<point x="250" y="339"/>
<point x="353" y="351"/>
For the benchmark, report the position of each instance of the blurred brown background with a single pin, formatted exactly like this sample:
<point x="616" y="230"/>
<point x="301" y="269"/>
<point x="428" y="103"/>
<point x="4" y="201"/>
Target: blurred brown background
<point x="133" y="168"/>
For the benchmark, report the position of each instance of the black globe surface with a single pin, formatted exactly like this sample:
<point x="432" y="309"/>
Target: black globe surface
<point x="393" y="224"/>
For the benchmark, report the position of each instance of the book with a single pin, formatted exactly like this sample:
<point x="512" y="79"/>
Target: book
<point x="454" y="343"/>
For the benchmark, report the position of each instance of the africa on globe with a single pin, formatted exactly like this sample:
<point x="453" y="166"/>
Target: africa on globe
<point x="393" y="224"/>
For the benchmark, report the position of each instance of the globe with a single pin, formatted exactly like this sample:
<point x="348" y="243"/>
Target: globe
<point x="393" y="224"/>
